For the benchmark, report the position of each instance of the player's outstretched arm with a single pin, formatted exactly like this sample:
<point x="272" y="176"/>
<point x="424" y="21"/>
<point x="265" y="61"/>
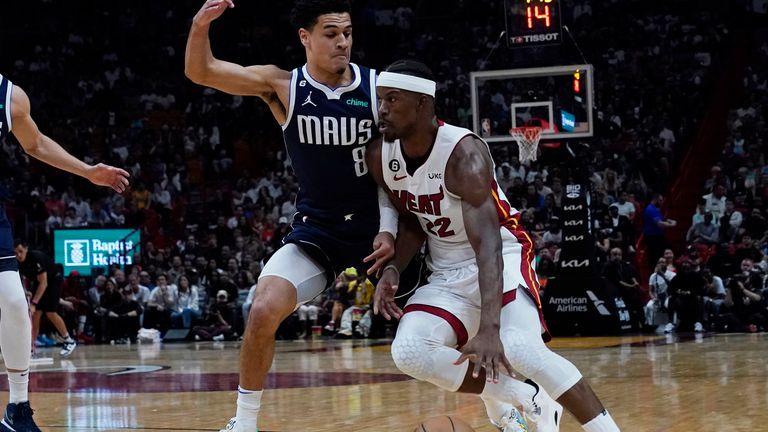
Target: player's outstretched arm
<point x="410" y="236"/>
<point x="39" y="146"/>
<point x="469" y="174"/>
<point x="203" y="68"/>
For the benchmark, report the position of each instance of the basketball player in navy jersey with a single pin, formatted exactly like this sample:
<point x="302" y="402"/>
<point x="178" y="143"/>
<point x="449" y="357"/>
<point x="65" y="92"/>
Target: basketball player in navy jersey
<point x="15" y="324"/>
<point x="327" y="109"/>
<point x="482" y="297"/>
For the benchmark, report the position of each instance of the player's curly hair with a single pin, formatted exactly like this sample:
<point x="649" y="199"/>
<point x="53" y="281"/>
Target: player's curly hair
<point x="305" y="12"/>
<point x="412" y="68"/>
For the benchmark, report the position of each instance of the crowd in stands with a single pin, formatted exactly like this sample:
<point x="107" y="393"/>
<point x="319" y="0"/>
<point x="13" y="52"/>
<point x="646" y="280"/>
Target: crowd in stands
<point x="213" y="191"/>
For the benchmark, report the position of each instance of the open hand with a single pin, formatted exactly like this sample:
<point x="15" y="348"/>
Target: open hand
<point x="384" y="298"/>
<point x="485" y="351"/>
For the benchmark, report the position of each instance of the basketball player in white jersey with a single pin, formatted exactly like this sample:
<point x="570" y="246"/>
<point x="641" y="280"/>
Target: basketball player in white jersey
<point x="15" y="324"/>
<point x="482" y="296"/>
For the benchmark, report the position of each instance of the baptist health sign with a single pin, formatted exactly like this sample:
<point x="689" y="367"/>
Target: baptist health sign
<point x="86" y="249"/>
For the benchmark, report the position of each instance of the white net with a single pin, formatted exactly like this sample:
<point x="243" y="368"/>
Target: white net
<point x="528" y="141"/>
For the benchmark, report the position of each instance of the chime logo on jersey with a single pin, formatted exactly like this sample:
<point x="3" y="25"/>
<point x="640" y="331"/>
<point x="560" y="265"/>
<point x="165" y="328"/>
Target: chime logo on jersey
<point x="328" y="130"/>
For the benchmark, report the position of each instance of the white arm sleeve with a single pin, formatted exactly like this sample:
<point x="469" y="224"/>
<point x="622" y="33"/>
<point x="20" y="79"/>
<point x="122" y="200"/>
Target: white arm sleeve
<point x="388" y="216"/>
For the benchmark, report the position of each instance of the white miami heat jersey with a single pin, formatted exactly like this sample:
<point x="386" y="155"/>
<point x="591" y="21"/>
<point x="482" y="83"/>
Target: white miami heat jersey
<point x="438" y="210"/>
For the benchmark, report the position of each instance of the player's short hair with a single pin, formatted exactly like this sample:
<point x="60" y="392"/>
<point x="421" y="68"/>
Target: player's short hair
<point x="412" y="68"/>
<point x="20" y="242"/>
<point x="305" y="12"/>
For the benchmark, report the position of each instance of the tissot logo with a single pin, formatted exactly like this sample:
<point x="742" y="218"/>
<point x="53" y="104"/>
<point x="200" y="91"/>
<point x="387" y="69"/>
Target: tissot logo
<point x="433" y="176"/>
<point x="544" y="37"/>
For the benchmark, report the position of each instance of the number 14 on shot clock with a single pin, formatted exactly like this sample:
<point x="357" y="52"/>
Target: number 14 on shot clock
<point x="532" y="23"/>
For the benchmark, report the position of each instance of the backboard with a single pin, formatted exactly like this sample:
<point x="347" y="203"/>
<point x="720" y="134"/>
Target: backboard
<point x="558" y="99"/>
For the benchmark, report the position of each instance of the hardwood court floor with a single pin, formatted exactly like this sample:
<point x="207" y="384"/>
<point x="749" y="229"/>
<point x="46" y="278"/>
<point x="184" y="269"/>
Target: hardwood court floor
<point x="650" y="384"/>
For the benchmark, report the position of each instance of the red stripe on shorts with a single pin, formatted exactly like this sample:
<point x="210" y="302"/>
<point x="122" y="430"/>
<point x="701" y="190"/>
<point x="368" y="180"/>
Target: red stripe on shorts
<point x="526" y="269"/>
<point x="508" y="297"/>
<point x="458" y="327"/>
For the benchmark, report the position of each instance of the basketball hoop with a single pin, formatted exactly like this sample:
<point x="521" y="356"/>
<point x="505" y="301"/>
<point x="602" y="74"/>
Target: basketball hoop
<point x="528" y="141"/>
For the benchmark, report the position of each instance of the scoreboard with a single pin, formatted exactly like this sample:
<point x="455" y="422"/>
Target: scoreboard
<point x="533" y="23"/>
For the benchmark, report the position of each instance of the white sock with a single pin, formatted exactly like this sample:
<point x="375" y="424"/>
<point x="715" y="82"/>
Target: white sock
<point x="509" y="390"/>
<point x="602" y="423"/>
<point x="248" y="404"/>
<point x="18" y="383"/>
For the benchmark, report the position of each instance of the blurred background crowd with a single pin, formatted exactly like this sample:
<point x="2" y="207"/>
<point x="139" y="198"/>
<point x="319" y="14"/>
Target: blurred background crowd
<point x="681" y="95"/>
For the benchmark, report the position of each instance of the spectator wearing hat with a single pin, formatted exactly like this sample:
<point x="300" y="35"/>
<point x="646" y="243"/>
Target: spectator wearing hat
<point x="359" y="294"/>
<point x="218" y="321"/>
<point x="339" y="298"/>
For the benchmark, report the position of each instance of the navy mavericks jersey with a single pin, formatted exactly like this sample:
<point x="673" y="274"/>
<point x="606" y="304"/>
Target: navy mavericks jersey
<point x="5" y="106"/>
<point x="7" y="258"/>
<point x="326" y="133"/>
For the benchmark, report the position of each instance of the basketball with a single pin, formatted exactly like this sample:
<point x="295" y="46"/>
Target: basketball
<point x="444" y="424"/>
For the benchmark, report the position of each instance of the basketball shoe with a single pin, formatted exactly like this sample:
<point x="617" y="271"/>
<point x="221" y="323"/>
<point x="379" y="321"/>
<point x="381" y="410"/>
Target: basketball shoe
<point x="69" y="345"/>
<point x="233" y="426"/>
<point x="543" y="412"/>
<point x="512" y="422"/>
<point x="18" y="418"/>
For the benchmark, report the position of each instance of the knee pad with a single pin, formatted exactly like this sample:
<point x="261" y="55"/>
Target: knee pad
<point x="534" y="360"/>
<point x="412" y="356"/>
<point x="525" y="358"/>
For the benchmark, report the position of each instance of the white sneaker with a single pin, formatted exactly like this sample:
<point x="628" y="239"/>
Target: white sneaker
<point x="512" y="422"/>
<point x="698" y="328"/>
<point x="669" y="328"/>
<point x="69" y="346"/>
<point x="544" y="413"/>
<point x="218" y="338"/>
<point x="233" y="426"/>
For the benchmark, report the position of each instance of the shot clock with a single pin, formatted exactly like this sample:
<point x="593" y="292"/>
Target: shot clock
<point x="532" y="23"/>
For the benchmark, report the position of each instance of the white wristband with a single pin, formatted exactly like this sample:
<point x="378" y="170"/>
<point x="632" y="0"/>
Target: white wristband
<point x="388" y="216"/>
